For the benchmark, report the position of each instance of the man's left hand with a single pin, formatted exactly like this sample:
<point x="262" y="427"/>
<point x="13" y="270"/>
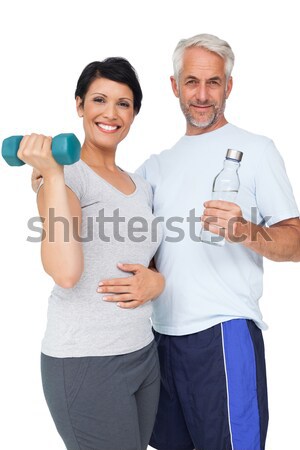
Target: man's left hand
<point x="225" y="219"/>
<point x="130" y="292"/>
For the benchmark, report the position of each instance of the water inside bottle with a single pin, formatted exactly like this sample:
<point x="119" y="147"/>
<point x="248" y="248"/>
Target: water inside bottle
<point x="227" y="196"/>
<point x="212" y="238"/>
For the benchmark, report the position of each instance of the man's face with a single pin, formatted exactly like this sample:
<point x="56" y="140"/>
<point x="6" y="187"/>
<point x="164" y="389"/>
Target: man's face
<point x="202" y="90"/>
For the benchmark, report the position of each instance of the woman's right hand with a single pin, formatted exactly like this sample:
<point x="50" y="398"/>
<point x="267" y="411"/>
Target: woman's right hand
<point x="35" y="150"/>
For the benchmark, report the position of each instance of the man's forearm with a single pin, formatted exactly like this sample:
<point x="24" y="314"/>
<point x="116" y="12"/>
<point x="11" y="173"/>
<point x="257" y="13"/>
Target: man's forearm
<point x="280" y="242"/>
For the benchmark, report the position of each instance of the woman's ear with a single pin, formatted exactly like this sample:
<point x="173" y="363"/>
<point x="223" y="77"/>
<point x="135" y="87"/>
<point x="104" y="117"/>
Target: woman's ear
<point x="79" y="106"/>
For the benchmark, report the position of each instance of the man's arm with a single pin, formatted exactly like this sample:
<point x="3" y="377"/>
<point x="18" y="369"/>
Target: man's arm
<point x="130" y="292"/>
<point x="279" y="242"/>
<point x="284" y="243"/>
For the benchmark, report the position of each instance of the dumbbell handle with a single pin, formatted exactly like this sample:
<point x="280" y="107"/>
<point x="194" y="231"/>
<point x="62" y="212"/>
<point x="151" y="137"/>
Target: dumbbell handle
<point x="65" y="149"/>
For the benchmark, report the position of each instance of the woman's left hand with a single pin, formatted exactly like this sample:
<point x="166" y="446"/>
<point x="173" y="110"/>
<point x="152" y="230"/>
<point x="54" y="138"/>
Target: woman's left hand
<point x="36" y="178"/>
<point x="130" y="292"/>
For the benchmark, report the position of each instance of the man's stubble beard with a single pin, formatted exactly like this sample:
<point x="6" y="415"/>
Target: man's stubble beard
<point x="212" y="119"/>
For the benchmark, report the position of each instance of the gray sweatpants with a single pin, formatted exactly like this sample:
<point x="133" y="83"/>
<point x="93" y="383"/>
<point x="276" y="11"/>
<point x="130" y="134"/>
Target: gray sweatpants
<point x="103" y="402"/>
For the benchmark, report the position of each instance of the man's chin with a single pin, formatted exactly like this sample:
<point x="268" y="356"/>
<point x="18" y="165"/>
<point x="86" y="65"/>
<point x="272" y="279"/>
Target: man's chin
<point x="202" y="124"/>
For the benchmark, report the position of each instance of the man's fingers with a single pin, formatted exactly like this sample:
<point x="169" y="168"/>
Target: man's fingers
<point x="128" y="305"/>
<point x="218" y="221"/>
<point x="214" y="228"/>
<point x="220" y="204"/>
<point x="116" y="282"/>
<point x="114" y="289"/>
<point x="36" y="175"/>
<point x="118" y="298"/>
<point x="216" y="212"/>
<point x="129" y="267"/>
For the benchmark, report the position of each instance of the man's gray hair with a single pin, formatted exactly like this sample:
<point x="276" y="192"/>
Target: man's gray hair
<point x="209" y="42"/>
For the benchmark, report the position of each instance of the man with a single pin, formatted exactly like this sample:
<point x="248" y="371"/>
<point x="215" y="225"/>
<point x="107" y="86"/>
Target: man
<point x="207" y="322"/>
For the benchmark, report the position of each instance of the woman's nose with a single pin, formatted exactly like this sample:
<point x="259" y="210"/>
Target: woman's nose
<point x="110" y="111"/>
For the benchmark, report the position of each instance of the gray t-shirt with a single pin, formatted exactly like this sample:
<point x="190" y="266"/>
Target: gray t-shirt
<point x="79" y="322"/>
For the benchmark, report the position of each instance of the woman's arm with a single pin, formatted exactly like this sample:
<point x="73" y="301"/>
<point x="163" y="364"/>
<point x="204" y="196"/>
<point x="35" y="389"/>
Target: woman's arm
<point x="60" y="210"/>
<point x="61" y="249"/>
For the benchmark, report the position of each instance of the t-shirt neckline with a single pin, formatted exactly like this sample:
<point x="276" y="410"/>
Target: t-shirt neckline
<point x="109" y="184"/>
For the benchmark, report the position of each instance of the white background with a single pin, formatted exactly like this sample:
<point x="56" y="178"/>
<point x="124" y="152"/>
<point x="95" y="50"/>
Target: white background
<point x="44" y="47"/>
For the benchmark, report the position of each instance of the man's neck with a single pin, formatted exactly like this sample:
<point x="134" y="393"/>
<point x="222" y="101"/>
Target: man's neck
<point x="192" y="130"/>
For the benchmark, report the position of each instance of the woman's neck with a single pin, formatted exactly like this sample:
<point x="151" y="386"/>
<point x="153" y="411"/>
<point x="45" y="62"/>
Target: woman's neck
<point x="98" y="157"/>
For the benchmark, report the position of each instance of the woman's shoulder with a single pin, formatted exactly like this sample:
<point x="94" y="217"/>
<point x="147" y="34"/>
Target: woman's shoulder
<point x="143" y="185"/>
<point x="76" y="178"/>
<point x="76" y="168"/>
<point x="139" y="180"/>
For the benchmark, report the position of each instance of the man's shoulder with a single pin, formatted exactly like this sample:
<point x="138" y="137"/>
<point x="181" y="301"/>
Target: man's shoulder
<point x="247" y="135"/>
<point x="155" y="161"/>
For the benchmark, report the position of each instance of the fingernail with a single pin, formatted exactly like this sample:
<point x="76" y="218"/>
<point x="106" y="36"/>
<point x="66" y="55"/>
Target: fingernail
<point x="100" y="284"/>
<point x="104" y="298"/>
<point x="118" y="304"/>
<point x="99" y="290"/>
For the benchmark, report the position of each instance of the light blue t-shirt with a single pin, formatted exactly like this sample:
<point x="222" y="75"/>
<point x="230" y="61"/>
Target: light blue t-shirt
<point x="205" y="284"/>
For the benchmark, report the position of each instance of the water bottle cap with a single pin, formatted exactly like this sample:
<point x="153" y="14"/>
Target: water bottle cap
<point x="234" y="154"/>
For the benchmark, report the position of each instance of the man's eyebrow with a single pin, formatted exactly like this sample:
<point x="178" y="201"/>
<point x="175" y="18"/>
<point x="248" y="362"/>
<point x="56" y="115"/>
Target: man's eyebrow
<point x="216" y="78"/>
<point x="192" y="77"/>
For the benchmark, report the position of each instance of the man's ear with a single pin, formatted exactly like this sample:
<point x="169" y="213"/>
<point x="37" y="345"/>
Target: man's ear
<point x="229" y="87"/>
<point x="174" y="86"/>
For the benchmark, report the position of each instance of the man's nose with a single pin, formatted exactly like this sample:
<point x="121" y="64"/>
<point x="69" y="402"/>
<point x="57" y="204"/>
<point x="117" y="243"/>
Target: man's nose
<point x="201" y="93"/>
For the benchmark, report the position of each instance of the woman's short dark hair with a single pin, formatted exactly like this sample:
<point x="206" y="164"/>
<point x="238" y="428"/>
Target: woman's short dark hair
<point x="115" y="69"/>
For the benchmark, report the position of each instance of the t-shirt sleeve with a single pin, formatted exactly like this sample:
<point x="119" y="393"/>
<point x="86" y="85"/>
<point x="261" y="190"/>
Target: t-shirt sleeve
<point x="142" y="173"/>
<point x="274" y="194"/>
<point x="141" y="170"/>
<point x="74" y="179"/>
<point x="150" y="170"/>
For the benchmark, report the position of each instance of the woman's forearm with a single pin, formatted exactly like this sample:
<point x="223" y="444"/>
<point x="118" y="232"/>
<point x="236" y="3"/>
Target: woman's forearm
<point x="61" y="250"/>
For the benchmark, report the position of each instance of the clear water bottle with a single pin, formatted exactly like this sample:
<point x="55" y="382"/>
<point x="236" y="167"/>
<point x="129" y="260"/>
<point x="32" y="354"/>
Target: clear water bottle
<point x="225" y="187"/>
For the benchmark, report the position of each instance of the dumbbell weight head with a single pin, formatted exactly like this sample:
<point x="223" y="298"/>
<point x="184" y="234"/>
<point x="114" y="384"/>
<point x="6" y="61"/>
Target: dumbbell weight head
<point x="65" y="149"/>
<point x="10" y="148"/>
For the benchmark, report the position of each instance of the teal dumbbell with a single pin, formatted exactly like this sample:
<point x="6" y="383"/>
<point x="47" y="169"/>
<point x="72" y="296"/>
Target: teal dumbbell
<point x="65" y="149"/>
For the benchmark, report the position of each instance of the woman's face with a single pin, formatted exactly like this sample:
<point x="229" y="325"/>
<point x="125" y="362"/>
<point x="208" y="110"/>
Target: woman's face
<point x="107" y="112"/>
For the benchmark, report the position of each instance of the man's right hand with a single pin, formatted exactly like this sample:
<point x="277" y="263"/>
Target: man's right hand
<point x="36" y="178"/>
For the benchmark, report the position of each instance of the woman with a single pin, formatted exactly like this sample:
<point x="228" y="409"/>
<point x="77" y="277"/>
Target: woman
<point x="99" y="363"/>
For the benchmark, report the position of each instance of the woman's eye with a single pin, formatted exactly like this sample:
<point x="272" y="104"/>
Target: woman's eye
<point x="124" y="104"/>
<point x="99" y="100"/>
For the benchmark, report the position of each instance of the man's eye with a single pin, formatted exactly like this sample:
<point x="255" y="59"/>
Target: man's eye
<point x="214" y="83"/>
<point x="191" y="82"/>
